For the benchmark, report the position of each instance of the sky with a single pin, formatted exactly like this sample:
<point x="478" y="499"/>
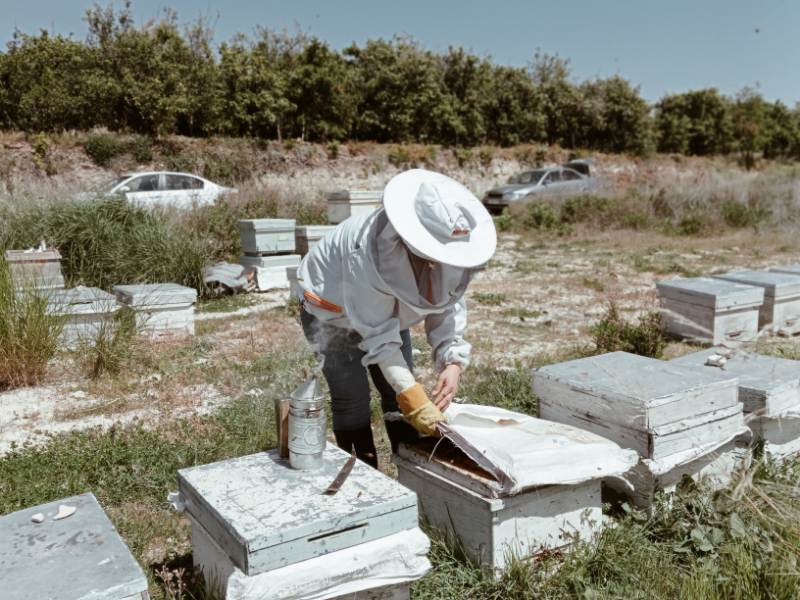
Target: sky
<point x="664" y="47"/>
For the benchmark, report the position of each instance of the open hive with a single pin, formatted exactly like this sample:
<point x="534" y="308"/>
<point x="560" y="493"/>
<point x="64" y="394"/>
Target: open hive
<point x="259" y="515"/>
<point x="769" y="391"/>
<point x="80" y="557"/>
<point x="710" y="310"/>
<point x="161" y="308"/>
<point x="674" y="417"/>
<point x="343" y="204"/>
<point x="468" y="503"/>
<point x="781" y="309"/>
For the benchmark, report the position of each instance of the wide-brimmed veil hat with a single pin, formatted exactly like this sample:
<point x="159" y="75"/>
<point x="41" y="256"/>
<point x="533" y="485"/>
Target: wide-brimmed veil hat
<point x="440" y="219"/>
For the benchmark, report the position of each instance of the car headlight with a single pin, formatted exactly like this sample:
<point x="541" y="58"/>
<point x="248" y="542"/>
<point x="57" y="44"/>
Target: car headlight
<point x="517" y="195"/>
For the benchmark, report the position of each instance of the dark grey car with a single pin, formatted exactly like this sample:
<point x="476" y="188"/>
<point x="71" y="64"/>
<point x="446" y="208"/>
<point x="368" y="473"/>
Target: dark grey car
<point x="566" y="180"/>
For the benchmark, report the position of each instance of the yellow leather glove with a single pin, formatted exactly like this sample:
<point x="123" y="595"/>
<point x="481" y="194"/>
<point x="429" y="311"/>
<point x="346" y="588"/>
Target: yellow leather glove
<point x="420" y="411"/>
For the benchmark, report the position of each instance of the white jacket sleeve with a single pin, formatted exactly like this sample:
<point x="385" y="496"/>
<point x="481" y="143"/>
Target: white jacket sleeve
<point x="445" y="333"/>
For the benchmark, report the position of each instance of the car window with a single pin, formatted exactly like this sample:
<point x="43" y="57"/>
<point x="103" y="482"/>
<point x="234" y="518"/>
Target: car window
<point x="145" y="183"/>
<point x="183" y="182"/>
<point x="570" y="175"/>
<point x="529" y="176"/>
<point x="110" y="185"/>
<point x="553" y="177"/>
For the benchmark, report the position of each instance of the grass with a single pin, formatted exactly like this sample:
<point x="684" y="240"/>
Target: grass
<point x="489" y="297"/>
<point x="612" y="333"/>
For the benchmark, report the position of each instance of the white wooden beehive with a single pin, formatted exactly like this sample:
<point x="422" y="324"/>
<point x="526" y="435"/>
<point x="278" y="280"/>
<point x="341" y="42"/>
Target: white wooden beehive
<point x="306" y="236"/>
<point x="710" y="310"/>
<point x="78" y="558"/>
<point x="343" y="204"/>
<point x="39" y="270"/>
<point x="161" y="308"/>
<point x="87" y="312"/>
<point x="461" y="500"/>
<point x="266" y="515"/>
<point x="651" y="406"/>
<point x="781" y="309"/>
<point x="266" y="236"/>
<point x="767" y="384"/>
<point x="781" y="433"/>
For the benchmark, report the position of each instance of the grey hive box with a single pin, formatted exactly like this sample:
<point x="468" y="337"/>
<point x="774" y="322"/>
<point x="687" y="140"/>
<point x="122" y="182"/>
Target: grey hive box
<point x="710" y="310"/>
<point x="40" y="270"/>
<point x="306" y="236"/>
<point x="781" y="309"/>
<point x="651" y="406"/>
<point x="81" y="557"/>
<point x="267" y="236"/>
<point x="789" y="269"/>
<point x="781" y="434"/>
<point x="161" y="307"/>
<point x="280" y="261"/>
<point x="266" y="515"/>
<point x="462" y="501"/>
<point x="343" y="204"/>
<point x="291" y="275"/>
<point x="86" y="311"/>
<point x="766" y="383"/>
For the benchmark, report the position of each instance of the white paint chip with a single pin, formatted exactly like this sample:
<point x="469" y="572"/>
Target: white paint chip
<point x="64" y="511"/>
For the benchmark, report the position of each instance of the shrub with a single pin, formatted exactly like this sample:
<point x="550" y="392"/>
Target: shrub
<point x="486" y="155"/>
<point x="542" y="216"/>
<point x="398" y="156"/>
<point x="140" y="147"/>
<point x="612" y="333"/>
<point x="740" y="215"/>
<point x="102" y="148"/>
<point x="504" y="221"/>
<point x="691" y="224"/>
<point x="333" y="150"/>
<point x="229" y="168"/>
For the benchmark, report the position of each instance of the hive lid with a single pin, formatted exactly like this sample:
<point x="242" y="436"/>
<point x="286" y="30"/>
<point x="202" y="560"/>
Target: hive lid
<point x="791" y="269"/>
<point x="711" y="292"/>
<point x="80" y="300"/>
<point x="155" y="294"/>
<point x="313" y="230"/>
<point x="354" y="195"/>
<point x="22" y="256"/>
<point x="81" y="556"/>
<point x="775" y="285"/>
<point x="266" y="224"/>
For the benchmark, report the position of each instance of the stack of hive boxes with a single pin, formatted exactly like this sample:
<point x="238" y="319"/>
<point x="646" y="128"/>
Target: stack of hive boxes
<point x="259" y="515"/>
<point x="780" y="311"/>
<point x="161" y="308"/>
<point x="87" y="312"/>
<point x="40" y="270"/>
<point x="769" y="391"/>
<point x="677" y="419"/>
<point x="269" y="246"/>
<point x="343" y="204"/>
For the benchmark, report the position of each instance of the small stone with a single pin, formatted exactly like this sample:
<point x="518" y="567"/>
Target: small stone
<point x="78" y="394"/>
<point x="64" y="511"/>
<point x="415" y="351"/>
<point x="725" y="353"/>
<point x="37" y="518"/>
<point x="575" y="332"/>
<point x="715" y="360"/>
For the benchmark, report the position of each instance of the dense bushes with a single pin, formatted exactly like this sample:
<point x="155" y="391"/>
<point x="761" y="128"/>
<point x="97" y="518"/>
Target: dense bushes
<point x="158" y="79"/>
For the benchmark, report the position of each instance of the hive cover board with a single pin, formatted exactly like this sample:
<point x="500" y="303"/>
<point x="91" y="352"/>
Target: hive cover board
<point x="766" y="383"/>
<point x="638" y="402"/>
<point x="81" y="300"/>
<point x="790" y="269"/>
<point x="155" y="294"/>
<point x="774" y="284"/>
<point x="266" y="515"/>
<point x="81" y="557"/>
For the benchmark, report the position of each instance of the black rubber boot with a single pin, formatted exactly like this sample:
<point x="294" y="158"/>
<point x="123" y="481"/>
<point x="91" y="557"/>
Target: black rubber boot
<point x="362" y="439"/>
<point x="399" y="432"/>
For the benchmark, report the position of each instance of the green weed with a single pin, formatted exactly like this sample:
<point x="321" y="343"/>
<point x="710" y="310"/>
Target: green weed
<point x="488" y="297"/>
<point x="595" y="284"/>
<point x="102" y="148"/>
<point x="612" y="333"/>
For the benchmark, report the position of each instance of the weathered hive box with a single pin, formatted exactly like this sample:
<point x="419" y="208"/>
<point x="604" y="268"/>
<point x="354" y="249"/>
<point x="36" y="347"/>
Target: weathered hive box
<point x="266" y="515"/>
<point x="346" y="203"/>
<point x="280" y="261"/>
<point x="767" y="384"/>
<point x="789" y="269"/>
<point x="651" y="406"/>
<point x="161" y="308"/>
<point x="87" y="311"/>
<point x="291" y="275"/>
<point x="40" y="270"/>
<point x="710" y="310"/>
<point x="267" y="236"/>
<point x="781" y="309"/>
<point x="78" y="558"/>
<point x="462" y="500"/>
<point x="307" y="235"/>
<point x="781" y="433"/>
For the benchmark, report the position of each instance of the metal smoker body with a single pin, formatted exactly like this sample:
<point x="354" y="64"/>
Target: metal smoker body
<point x="308" y="424"/>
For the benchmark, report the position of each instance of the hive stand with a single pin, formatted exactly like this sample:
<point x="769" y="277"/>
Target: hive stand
<point x="343" y="204"/>
<point x="710" y="310"/>
<point x="781" y="309"/>
<point x="465" y="503"/>
<point x="81" y="557"/>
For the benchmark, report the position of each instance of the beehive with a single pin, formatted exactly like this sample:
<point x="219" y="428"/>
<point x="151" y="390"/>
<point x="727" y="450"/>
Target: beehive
<point x="277" y="261"/>
<point x="39" y="270"/>
<point x="87" y="311"/>
<point x="161" y="308"/>
<point x="78" y="558"/>
<point x="343" y="204"/>
<point x="291" y="275"/>
<point x="266" y="236"/>
<point x="307" y="236"/>
<point x="781" y="309"/>
<point x="462" y="500"/>
<point x="266" y="515"/>
<point x="781" y="433"/>
<point x="710" y="310"/>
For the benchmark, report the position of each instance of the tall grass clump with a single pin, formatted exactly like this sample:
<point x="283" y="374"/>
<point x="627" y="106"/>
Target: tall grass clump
<point x="29" y="331"/>
<point x="106" y="348"/>
<point x="612" y="333"/>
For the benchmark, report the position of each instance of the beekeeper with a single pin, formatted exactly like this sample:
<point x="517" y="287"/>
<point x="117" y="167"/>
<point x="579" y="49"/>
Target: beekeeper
<point x="376" y="275"/>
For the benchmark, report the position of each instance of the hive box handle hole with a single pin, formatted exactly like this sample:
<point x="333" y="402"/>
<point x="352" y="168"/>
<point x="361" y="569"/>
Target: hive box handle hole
<point x="324" y="535"/>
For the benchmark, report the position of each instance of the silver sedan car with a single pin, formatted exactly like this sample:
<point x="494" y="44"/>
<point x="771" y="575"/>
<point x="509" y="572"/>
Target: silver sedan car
<point x="561" y="181"/>
<point x="175" y="189"/>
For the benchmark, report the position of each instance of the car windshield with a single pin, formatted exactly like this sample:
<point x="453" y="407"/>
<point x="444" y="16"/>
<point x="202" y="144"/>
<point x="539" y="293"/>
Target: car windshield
<point x="110" y="185"/>
<point x="529" y="176"/>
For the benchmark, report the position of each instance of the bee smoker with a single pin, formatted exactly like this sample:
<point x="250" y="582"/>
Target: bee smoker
<point x="308" y="426"/>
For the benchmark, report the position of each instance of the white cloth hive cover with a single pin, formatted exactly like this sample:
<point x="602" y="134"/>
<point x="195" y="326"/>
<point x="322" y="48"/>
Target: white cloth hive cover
<point x="524" y="452"/>
<point x="397" y="558"/>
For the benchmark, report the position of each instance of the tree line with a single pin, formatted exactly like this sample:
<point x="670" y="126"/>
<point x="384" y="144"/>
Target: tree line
<point x="170" y="78"/>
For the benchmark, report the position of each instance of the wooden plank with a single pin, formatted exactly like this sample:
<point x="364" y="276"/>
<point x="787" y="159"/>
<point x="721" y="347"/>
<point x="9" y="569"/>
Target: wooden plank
<point x="698" y="431"/>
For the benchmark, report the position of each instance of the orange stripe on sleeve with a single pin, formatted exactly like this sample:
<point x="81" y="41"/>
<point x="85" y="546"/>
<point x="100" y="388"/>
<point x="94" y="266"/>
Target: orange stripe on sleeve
<point x="318" y="302"/>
